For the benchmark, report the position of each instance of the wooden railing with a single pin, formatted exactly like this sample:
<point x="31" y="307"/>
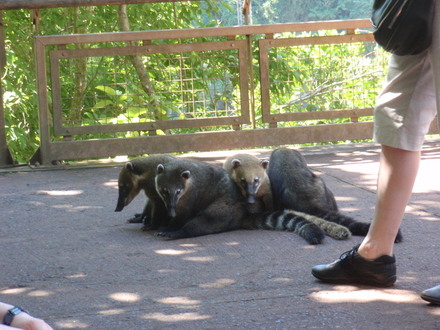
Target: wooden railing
<point x="239" y="106"/>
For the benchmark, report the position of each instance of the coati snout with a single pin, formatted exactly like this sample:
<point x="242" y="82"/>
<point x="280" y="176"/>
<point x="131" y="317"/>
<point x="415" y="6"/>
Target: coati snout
<point x="249" y="173"/>
<point x="139" y="174"/>
<point x="127" y="185"/>
<point x="171" y="189"/>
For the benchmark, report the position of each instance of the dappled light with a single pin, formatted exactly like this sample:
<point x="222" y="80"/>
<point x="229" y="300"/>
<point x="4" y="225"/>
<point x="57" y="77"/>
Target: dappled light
<point x="78" y="275"/>
<point x="308" y="247"/>
<point x="345" y="199"/>
<point x="40" y="293"/>
<point x="200" y="259"/>
<point x="112" y="183"/>
<point x="218" y="284"/>
<point x="189" y="245"/>
<point x="173" y="252"/>
<point x="110" y="312"/>
<point x="14" y="291"/>
<point x="232" y="243"/>
<point x="125" y="297"/>
<point x="71" y="324"/>
<point x="28" y="291"/>
<point x="346" y="294"/>
<point x="177" y="317"/>
<point x="282" y="280"/>
<point x="60" y="192"/>
<point x="72" y="208"/>
<point x="180" y="301"/>
<point x="85" y="267"/>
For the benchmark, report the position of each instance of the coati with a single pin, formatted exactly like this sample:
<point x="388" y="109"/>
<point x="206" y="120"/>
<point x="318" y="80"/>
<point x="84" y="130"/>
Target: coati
<point x="139" y="174"/>
<point x="295" y="186"/>
<point x="249" y="174"/>
<point x="202" y="199"/>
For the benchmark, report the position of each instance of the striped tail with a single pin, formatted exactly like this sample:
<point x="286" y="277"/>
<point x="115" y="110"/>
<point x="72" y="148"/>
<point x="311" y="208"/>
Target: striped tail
<point x="291" y="221"/>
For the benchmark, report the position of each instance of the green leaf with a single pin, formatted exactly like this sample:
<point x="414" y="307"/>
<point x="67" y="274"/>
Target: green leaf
<point x="108" y="90"/>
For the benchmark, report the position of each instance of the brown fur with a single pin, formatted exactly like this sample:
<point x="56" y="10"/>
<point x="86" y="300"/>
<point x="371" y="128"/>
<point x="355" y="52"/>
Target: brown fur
<point x="137" y="175"/>
<point x="249" y="174"/>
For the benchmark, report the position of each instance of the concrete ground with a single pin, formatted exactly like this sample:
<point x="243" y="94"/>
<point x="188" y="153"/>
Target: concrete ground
<point x="68" y="258"/>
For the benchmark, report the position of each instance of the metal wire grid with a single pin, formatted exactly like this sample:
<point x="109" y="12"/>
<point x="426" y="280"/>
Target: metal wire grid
<point x="108" y="90"/>
<point x="325" y="77"/>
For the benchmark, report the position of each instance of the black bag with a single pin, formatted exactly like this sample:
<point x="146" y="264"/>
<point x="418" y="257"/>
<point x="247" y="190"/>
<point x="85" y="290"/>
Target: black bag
<point x="403" y="27"/>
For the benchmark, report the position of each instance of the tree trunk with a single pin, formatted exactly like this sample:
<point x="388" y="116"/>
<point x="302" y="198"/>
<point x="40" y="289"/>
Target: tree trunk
<point x="137" y="62"/>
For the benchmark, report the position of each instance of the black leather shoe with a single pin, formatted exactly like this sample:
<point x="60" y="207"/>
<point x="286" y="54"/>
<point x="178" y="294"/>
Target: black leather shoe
<point x="432" y="295"/>
<point x="352" y="268"/>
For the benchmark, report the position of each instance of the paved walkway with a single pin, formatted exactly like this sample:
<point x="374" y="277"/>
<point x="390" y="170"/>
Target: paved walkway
<point x="68" y="258"/>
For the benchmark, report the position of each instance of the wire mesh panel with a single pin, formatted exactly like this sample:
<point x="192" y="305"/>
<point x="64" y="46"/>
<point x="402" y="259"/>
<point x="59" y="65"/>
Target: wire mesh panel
<point x="177" y="90"/>
<point x="103" y="90"/>
<point x="310" y="82"/>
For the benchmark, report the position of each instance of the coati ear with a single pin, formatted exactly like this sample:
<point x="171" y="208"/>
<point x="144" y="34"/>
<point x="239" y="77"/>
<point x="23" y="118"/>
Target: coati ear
<point x="186" y="174"/>
<point x="236" y="163"/>
<point x="265" y="163"/>
<point x="160" y="169"/>
<point x="129" y="166"/>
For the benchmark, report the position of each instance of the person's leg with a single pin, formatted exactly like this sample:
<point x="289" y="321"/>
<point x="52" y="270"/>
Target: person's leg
<point x="373" y="261"/>
<point x="432" y="295"/>
<point x="402" y="117"/>
<point x="397" y="174"/>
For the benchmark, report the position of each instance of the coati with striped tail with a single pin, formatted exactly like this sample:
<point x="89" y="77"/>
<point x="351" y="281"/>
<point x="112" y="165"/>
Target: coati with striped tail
<point x="295" y="186"/>
<point x="202" y="199"/>
<point x="139" y="174"/>
<point x="249" y="174"/>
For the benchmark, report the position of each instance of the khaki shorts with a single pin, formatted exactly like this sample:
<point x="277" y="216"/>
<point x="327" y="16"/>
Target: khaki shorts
<point x="407" y="105"/>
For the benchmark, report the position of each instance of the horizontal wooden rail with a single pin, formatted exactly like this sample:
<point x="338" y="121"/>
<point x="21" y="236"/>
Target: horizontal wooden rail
<point x="41" y="4"/>
<point x="204" y="32"/>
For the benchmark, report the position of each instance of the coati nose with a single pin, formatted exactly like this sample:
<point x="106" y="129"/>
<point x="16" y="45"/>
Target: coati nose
<point x="120" y="206"/>
<point x="172" y="212"/>
<point x="251" y="199"/>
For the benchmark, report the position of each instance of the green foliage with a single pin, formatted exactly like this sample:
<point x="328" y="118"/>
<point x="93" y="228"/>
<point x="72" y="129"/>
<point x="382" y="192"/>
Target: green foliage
<point x="19" y="97"/>
<point x="187" y="85"/>
<point x="332" y="76"/>
<point x="286" y="11"/>
<point x="19" y="85"/>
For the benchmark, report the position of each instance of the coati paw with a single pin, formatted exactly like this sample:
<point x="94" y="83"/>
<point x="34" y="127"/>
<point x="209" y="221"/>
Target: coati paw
<point x="171" y="234"/>
<point x="165" y="234"/>
<point x="340" y="233"/>
<point x="314" y="240"/>
<point x="136" y="219"/>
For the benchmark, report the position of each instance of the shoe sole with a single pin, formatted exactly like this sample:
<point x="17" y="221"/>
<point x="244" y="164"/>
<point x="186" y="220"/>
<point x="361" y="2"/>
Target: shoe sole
<point x="389" y="282"/>
<point x="430" y="299"/>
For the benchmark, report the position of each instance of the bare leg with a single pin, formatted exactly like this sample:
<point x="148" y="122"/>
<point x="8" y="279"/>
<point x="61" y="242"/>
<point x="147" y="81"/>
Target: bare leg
<point x="397" y="174"/>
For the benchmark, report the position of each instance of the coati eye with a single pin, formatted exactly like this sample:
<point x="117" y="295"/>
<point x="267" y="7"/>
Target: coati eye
<point x="125" y="187"/>
<point x="257" y="180"/>
<point x="178" y="191"/>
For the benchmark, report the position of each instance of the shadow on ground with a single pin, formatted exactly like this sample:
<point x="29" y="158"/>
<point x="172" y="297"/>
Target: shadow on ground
<point x="68" y="258"/>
